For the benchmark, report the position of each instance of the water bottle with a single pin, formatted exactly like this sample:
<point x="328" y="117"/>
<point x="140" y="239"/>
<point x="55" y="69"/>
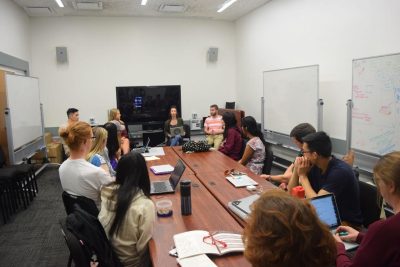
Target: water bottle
<point x="186" y="201"/>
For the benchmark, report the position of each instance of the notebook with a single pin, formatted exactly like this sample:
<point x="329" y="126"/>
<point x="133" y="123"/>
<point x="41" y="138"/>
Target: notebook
<point x="241" y="180"/>
<point x="177" y="131"/>
<point x="328" y="213"/>
<point x="168" y="186"/>
<point x="162" y="169"/>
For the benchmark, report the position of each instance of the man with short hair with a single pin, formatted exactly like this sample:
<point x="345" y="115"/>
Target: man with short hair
<point x="73" y="116"/>
<point x="321" y="173"/>
<point x="214" y="127"/>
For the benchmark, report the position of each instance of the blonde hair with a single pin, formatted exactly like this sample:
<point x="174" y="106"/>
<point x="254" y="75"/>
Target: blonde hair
<point x="76" y="134"/>
<point x="388" y="170"/>
<point x="112" y="114"/>
<point x="98" y="144"/>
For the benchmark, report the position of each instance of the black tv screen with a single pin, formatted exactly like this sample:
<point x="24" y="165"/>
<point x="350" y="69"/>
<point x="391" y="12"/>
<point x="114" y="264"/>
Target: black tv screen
<point x="140" y="104"/>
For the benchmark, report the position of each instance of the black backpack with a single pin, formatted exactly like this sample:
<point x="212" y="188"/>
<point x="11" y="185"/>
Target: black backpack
<point x="93" y="238"/>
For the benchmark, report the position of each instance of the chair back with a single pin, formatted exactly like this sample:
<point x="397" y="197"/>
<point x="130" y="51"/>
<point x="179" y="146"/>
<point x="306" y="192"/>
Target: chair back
<point x="186" y="137"/>
<point x="370" y="203"/>
<point x="269" y="158"/>
<point x="77" y="253"/>
<point x="85" y="203"/>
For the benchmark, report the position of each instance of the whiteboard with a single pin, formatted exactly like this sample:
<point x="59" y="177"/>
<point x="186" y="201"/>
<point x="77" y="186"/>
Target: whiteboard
<point x="290" y="98"/>
<point x="23" y="103"/>
<point x="376" y="104"/>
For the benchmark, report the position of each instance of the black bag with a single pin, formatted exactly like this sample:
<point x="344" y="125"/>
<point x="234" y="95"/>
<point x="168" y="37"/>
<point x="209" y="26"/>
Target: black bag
<point x="192" y="146"/>
<point x="90" y="232"/>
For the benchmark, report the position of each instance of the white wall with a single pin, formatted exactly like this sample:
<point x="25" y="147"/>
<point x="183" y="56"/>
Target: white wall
<point x="14" y="30"/>
<point x="287" y="33"/>
<point x="107" y="52"/>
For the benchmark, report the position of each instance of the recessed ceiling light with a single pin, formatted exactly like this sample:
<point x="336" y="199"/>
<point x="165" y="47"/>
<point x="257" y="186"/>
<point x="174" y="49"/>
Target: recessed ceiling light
<point x="59" y="3"/>
<point x="226" y="5"/>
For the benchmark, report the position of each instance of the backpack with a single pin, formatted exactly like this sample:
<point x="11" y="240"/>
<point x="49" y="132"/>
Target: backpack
<point x="93" y="238"/>
<point x="192" y="146"/>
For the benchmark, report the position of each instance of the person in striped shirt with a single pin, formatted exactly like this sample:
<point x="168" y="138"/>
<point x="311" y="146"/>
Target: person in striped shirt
<point x="214" y="127"/>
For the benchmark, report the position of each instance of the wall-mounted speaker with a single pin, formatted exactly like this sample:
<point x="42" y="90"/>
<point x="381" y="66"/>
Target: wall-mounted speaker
<point x="212" y="54"/>
<point x="61" y="54"/>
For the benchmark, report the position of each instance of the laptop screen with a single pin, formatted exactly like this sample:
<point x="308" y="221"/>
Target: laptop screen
<point x="327" y="210"/>
<point x="177" y="173"/>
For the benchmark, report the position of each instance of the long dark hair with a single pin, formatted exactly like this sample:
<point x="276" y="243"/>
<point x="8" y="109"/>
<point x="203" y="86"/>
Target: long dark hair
<point x="230" y="122"/>
<point x="250" y="124"/>
<point x="112" y="139"/>
<point x="132" y="176"/>
<point x="177" y="113"/>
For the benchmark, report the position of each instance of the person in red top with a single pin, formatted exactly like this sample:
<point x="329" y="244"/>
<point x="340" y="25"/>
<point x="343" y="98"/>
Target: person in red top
<point x="380" y="246"/>
<point x="232" y="144"/>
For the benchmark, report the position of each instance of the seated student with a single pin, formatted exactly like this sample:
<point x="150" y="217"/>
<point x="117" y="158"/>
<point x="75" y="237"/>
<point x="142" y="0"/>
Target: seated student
<point x="79" y="177"/>
<point x="114" y="116"/>
<point x="321" y="173"/>
<point x="232" y="144"/>
<point x="214" y="127"/>
<point x="127" y="212"/>
<point x="285" y="231"/>
<point x="113" y="149"/>
<point x="380" y="245"/>
<point x="254" y="153"/>
<point x="96" y="153"/>
<point x="173" y="122"/>
<point x="73" y="116"/>
<point x="297" y="134"/>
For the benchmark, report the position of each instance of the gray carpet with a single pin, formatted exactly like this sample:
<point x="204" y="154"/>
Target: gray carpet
<point x="32" y="237"/>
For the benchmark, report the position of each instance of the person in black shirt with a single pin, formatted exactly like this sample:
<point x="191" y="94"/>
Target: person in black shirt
<point x="321" y="173"/>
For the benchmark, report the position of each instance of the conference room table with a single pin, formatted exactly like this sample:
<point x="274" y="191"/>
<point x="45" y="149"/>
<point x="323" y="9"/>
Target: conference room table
<point x="207" y="214"/>
<point x="209" y="167"/>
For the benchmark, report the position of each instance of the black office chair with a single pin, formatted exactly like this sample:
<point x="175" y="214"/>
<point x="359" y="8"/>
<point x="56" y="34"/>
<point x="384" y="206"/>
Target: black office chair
<point x="84" y="203"/>
<point x="186" y="138"/>
<point x="370" y="203"/>
<point x="269" y="158"/>
<point x="77" y="253"/>
<point x="230" y="105"/>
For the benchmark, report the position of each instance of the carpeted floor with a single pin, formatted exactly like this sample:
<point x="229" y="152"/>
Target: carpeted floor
<point x="32" y="237"/>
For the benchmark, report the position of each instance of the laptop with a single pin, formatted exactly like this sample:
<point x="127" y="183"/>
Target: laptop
<point x="144" y="149"/>
<point x="177" y="131"/>
<point x="328" y="213"/>
<point x="168" y="186"/>
<point x="241" y="207"/>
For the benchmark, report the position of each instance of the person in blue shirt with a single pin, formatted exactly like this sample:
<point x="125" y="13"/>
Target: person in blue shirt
<point x="321" y="173"/>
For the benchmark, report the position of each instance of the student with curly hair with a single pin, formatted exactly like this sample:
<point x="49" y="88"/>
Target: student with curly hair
<point x="285" y="231"/>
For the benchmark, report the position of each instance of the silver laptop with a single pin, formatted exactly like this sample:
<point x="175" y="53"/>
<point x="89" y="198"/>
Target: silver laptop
<point x="241" y="207"/>
<point x="168" y="186"/>
<point x="177" y="131"/>
<point x="144" y="149"/>
<point x="328" y="213"/>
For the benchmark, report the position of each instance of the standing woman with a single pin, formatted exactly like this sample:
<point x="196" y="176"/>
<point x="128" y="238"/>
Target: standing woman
<point x="127" y="212"/>
<point x="380" y="245"/>
<point x="97" y="151"/>
<point x="114" y="116"/>
<point x="79" y="177"/>
<point x="254" y="153"/>
<point x="232" y="143"/>
<point x="173" y="122"/>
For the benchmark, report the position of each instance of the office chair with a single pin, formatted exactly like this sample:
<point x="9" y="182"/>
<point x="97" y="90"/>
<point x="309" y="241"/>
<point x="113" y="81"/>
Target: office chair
<point x="370" y="203"/>
<point x="84" y="203"/>
<point x="77" y="253"/>
<point x="269" y="158"/>
<point x="230" y="105"/>
<point x="186" y="138"/>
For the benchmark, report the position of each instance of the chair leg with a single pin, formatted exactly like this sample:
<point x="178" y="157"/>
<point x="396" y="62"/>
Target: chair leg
<point x="69" y="261"/>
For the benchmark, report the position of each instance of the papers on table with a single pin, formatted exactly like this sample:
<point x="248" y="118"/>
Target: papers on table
<point x="151" y="158"/>
<point x="154" y="151"/>
<point x="241" y="180"/>
<point x="199" y="261"/>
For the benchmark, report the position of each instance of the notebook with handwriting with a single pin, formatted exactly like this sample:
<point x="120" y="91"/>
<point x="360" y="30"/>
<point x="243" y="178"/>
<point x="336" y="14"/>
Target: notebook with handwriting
<point x="198" y="242"/>
<point x="241" y="180"/>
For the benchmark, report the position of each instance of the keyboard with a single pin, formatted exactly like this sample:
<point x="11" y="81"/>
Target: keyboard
<point x="160" y="187"/>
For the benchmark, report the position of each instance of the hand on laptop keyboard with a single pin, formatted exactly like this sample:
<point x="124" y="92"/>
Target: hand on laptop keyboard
<point x="351" y="234"/>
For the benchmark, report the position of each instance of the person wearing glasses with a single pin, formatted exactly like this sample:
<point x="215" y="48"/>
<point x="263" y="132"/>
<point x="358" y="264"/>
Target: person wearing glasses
<point x="127" y="212"/>
<point x="320" y="173"/>
<point x="379" y="246"/>
<point x="283" y="230"/>
<point x="78" y="176"/>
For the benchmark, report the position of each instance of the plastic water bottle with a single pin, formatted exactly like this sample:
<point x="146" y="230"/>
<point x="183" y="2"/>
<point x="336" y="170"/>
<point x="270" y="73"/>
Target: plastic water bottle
<point x="186" y="201"/>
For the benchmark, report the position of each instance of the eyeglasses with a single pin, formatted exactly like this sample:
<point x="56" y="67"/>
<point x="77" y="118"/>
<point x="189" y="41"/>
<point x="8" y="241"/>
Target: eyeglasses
<point x="213" y="241"/>
<point x="93" y="137"/>
<point x="233" y="172"/>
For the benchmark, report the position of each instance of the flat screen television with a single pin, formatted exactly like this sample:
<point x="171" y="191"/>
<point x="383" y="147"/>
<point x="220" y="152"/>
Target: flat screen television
<point x="147" y="104"/>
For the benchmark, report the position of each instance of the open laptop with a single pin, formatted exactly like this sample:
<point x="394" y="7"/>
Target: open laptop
<point x="241" y="207"/>
<point x="168" y="186"/>
<point x="328" y="213"/>
<point x="144" y="149"/>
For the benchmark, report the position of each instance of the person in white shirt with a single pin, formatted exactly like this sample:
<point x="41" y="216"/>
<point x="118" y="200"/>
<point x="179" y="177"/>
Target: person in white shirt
<point x="78" y="176"/>
<point x="73" y="116"/>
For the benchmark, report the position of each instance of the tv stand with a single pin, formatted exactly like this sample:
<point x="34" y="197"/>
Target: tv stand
<point x="139" y="132"/>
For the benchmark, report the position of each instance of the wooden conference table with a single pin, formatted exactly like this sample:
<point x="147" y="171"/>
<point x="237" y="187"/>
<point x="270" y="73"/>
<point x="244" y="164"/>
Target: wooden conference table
<point x="207" y="214"/>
